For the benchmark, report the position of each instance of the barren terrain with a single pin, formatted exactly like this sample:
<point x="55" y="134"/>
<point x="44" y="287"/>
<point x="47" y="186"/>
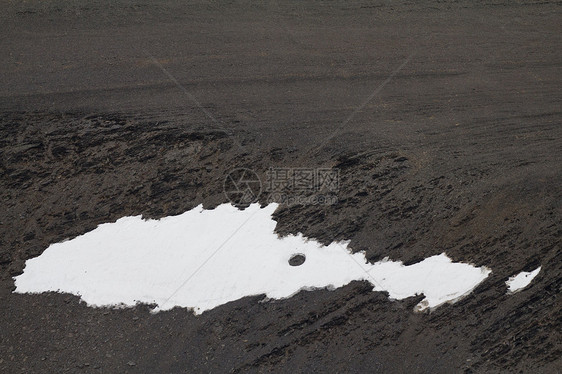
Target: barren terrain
<point x="443" y="118"/>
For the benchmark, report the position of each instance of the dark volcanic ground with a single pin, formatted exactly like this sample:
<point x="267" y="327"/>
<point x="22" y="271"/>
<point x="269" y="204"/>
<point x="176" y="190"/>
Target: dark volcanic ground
<point x="126" y="108"/>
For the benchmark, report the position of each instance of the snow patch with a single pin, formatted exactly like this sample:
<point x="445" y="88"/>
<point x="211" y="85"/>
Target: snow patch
<point x="205" y="258"/>
<point x="521" y="280"/>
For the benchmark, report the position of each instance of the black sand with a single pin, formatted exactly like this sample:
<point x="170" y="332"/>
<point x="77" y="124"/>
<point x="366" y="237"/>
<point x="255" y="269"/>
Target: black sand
<point x="460" y="151"/>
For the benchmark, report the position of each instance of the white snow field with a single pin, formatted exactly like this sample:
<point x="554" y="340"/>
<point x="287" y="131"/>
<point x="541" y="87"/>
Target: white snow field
<point x="205" y="258"/>
<point x="521" y="280"/>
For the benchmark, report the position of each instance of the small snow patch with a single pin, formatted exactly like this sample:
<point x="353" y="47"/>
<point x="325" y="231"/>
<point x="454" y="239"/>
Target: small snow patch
<point x="205" y="258"/>
<point x="521" y="280"/>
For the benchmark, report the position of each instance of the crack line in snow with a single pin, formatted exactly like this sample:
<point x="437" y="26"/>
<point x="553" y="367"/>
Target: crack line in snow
<point x="207" y="260"/>
<point x="349" y="253"/>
